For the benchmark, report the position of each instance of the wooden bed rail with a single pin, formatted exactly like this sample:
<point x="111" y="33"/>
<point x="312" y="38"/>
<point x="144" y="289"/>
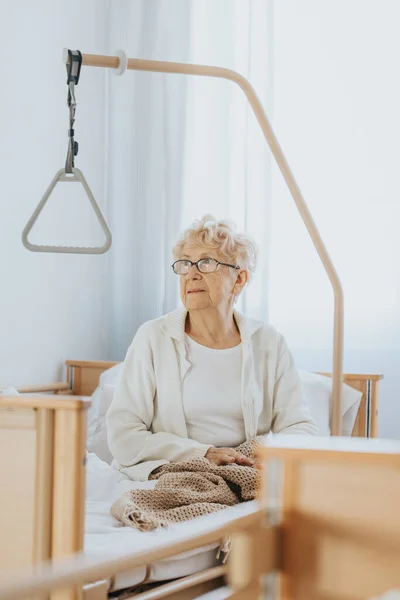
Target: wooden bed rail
<point x="59" y="386"/>
<point x="42" y="449"/>
<point x="183" y="583"/>
<point x="49" y="401"/>
<point x="79" y="569"/>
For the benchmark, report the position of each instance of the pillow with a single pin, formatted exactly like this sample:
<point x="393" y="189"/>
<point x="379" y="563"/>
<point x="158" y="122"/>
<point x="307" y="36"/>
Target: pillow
<point x="318" y="393"/>
<point x="98" y="443"/>
<point x="101" y="400"/>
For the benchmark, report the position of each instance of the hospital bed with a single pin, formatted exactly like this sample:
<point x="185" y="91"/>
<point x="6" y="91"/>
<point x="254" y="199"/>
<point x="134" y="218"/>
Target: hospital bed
<point x="49" y="473"/>
<point x="325" y="527"/>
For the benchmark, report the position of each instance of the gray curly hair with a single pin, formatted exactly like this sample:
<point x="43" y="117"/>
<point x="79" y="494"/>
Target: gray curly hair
<point x="207" y="232"/>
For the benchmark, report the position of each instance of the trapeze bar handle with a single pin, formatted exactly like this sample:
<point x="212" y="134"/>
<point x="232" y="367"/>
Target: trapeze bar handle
<point x="75" y="177"/>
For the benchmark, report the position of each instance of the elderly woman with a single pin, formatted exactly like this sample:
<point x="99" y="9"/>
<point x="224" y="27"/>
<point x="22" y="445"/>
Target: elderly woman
<point x="201" y="380"/>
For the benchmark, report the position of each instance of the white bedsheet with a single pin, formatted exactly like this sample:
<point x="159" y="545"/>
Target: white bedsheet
<point x="105" y="535"/>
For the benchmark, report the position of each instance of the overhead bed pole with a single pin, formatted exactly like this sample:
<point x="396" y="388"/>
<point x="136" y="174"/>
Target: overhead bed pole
<point x="121" y="63"/>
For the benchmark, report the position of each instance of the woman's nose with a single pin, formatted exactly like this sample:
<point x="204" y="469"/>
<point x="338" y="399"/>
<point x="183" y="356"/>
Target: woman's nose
<point x="193" y="272"/>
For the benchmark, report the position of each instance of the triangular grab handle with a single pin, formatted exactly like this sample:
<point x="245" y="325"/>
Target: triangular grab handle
<point x="75" y="177"/>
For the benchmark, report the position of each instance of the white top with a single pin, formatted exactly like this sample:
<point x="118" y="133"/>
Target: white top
<point x="146" y="425"/>
<point x="211" y="395"/>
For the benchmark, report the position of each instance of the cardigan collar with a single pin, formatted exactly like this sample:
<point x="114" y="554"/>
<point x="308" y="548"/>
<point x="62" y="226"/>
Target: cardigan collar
<point x="173" y="324"/>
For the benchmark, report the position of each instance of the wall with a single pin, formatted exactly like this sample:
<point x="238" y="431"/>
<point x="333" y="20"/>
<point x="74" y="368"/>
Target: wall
<point x="51" y="306"/>
<point x="336" y="114"/>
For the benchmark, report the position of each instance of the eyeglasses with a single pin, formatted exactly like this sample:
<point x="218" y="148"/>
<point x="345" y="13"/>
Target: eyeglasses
<point x="204" y="265"/>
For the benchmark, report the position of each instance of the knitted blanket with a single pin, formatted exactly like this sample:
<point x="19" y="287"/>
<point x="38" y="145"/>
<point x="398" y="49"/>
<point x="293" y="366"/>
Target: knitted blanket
<point x="186" y="490"/>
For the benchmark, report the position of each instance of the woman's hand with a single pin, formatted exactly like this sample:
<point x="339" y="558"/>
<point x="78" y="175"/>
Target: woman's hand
<point x="227" y="456"/>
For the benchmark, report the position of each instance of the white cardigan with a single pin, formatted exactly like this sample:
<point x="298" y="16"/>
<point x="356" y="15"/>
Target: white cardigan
<point x="146" y="422"/>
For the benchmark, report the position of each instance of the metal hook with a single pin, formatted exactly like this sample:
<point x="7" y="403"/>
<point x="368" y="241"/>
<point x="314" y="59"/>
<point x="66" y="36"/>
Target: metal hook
<point x="73" y="72"/>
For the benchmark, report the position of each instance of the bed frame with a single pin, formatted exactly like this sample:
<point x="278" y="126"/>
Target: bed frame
<point x="42" y="513"/>
<point x="325" y="527"/>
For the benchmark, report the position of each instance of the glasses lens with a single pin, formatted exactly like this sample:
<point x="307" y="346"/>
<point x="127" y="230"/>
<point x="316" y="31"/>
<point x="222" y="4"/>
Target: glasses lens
<point x="181" y="267"/>
<point x="207" y="265"/>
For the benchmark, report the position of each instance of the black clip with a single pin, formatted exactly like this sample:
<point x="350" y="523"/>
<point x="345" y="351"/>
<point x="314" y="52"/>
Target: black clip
<point x="74" y="66"/>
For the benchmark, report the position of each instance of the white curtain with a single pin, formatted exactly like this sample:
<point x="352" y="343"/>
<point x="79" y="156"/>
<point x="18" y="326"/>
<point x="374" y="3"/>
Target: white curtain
<point x="337" y="117"/>
<point x="180" y="147"/>
<point x="145" y="163"/>
<point x="227" y="160"/>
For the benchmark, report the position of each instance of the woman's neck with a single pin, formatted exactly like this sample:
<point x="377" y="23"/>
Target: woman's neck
<point x="212" y="328"/>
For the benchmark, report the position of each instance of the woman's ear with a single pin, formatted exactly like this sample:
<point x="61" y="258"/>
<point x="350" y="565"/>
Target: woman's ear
<point x="242" y="277"/>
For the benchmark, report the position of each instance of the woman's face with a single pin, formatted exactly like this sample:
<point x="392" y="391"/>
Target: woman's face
<point x="211" y="290"/>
